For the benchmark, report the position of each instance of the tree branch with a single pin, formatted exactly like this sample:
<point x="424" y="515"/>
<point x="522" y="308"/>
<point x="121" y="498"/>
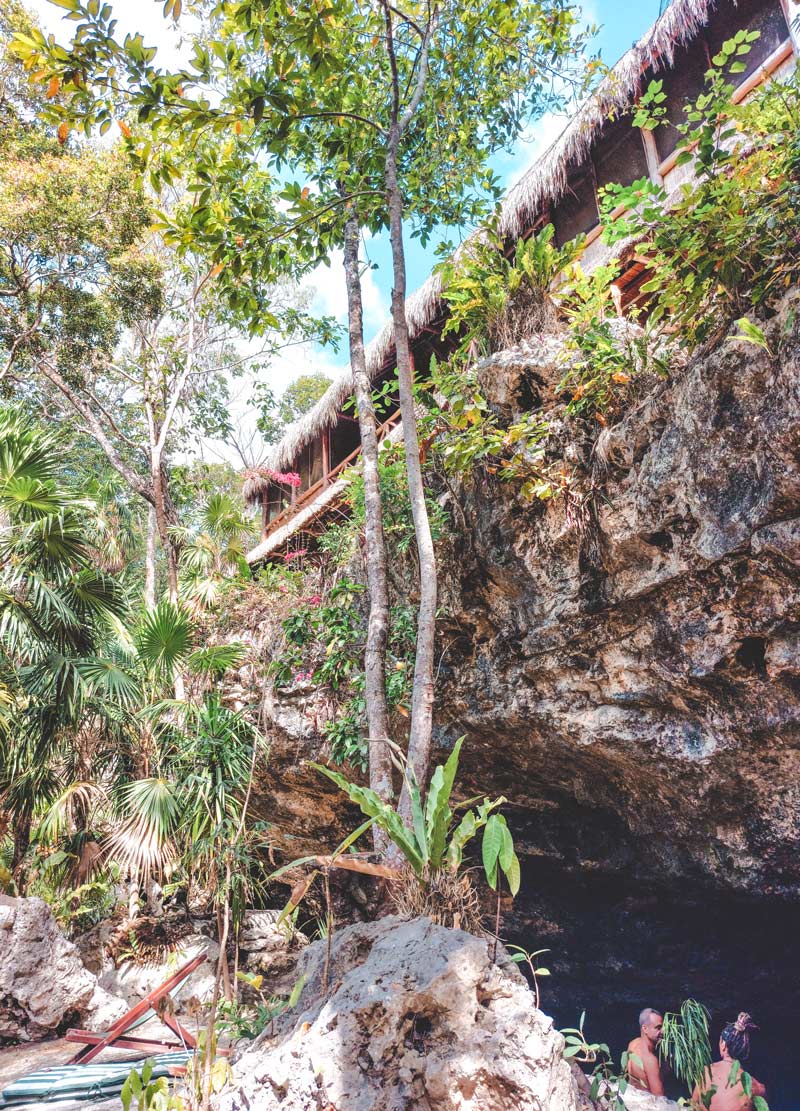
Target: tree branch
<point x="135" y="481"/>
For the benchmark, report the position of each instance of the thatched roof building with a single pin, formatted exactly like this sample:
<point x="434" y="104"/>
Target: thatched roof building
<point x="598" y="146"/>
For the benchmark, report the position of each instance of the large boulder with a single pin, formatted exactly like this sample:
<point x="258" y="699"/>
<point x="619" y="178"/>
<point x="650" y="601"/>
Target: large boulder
<point x="416" y="1016"/>
<point x="44" y="986"/>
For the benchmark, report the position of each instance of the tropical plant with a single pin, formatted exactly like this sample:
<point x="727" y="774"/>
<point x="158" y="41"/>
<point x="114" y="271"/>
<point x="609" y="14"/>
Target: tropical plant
<point x="520" y="956"/>
<point x="56" y="611"/>
<point x="143" y="1093"/>
<point x="212" y="551"/>
<point x="728" y="241"/>
<point x="608" y="1085"/>
<point x="242" y="1020"/>
<point x="436" y="842"/>
<point x="684" y="1042"/>
<point x="470" y="439"/>
<point x="496" y="299"/>
<point x="604" y="353"/>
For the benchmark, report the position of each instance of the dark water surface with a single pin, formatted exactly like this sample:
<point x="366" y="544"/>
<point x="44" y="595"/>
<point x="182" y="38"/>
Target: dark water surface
<point x="618" y="947"/>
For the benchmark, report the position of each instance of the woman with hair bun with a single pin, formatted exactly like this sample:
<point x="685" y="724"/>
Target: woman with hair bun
<point x="722" y="1088"/>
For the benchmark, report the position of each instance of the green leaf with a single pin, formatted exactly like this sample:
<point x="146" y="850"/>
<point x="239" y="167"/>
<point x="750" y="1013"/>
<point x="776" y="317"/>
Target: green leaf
<point x="490" y="849"/>
<point x="507" y="846"/>
<point x="463" y="833"/>
<point x="512" y="874"/>
<point x="750" y="333"/>
<point x="437" y="806"/>
<point x="297" y="991"/>
<point x="385" y="816"/>
<point x="164" y="637"/>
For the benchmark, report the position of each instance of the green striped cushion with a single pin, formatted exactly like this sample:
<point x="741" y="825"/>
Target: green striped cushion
<point x="90" y="1081"/>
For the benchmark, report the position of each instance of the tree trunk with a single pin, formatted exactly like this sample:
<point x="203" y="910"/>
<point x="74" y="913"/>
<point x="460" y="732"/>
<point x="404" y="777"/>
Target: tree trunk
<point x="419" y="744"/>
<point x="150" y="561"/>
<point x="380" y="764"/>
<point x="22" y="840"/>
<point x="162" y="522"/>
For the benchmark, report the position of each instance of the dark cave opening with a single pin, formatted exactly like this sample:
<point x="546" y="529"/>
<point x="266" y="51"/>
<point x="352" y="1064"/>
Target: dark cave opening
<point x="618" y="945"/>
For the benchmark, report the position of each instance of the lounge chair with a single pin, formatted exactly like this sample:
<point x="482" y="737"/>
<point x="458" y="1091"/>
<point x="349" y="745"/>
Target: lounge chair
<point x="86" y="1082"/>
<point x="118" y="1035"/>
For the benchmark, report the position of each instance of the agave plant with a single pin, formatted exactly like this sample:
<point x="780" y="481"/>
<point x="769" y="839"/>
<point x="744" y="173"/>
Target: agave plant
<point x="436" y="839"/>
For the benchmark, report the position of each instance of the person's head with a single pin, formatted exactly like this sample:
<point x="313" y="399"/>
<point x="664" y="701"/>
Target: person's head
<point x="734" y="1040"/>
<point x="650" y="1024"/>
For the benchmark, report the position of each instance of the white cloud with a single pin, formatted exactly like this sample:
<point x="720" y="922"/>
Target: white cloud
<point x="330" y="294"/>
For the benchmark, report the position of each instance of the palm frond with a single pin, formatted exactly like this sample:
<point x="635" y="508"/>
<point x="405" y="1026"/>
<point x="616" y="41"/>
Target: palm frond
<point x="216" y="659"/>
<point x="164" y="637"/>
<point x="106" y="679"/>
<point x="143" y="841"/>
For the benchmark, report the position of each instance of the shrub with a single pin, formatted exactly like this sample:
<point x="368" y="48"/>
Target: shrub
<point x="729" y="240"/>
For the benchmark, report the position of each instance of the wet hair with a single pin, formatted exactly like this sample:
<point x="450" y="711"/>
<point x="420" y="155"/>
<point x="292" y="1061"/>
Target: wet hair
<point x="736" y="1036"/>
<point x="646" y="1015"/>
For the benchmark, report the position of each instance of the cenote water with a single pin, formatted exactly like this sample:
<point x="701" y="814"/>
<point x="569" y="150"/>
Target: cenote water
<point x="617" y="947"/>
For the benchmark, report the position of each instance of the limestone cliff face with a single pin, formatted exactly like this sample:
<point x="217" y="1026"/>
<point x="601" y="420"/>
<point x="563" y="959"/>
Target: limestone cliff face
<point x="632" y="680"/>
<point x="627" y="672"/>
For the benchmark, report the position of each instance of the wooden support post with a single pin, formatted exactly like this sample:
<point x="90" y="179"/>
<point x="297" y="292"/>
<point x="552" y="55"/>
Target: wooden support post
<point x="326" y="455"/>
<point x="651" y="154"/>
<point x="791" y="9"/>
<point x="264" y="514"/>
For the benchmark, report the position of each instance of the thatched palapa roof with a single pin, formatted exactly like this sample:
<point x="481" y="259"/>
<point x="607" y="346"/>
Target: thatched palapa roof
<point x="255" y="486"/>
<point x="545" y="182"/>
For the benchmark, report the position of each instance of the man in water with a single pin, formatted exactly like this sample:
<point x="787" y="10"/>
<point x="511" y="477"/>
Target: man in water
<point x="644" y="1069"/>
<point x="722" y="1088"/>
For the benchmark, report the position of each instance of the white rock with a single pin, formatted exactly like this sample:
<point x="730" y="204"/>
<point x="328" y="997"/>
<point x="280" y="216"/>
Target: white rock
<point x="43" y="983"/>
<point x="133" y="981"/>
<point x="416" y="1017"/>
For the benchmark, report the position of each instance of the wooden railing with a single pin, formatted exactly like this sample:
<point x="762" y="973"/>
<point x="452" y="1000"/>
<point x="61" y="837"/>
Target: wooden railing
<point x="323" y="483"/>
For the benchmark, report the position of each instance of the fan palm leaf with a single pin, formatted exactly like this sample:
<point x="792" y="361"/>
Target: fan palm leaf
<point x="164" y="638"/>
<point x="143" y="840"/>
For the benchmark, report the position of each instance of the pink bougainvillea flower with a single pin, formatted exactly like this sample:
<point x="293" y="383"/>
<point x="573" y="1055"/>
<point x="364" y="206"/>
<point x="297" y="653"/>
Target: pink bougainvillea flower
<point x="287" y="478"/>
<point x="297" y="554"/>
<point x="314" y="600"/>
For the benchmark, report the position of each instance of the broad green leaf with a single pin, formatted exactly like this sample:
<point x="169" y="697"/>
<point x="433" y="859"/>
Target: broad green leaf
<point x="512" y="874"/>
<point x="463" y="833"/>
<point x="507" y="847"/>
<point x="490" y="849"/>
<point x="385" y="816"/>
<point x="296" y="992"/>
<point x="437" y="806"/>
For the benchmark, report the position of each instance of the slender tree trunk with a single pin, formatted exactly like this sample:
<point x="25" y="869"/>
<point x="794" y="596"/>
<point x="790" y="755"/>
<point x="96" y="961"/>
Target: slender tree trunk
<point x="419" y="744"/>
<point x="150" y="561"/>
<point x="380" y="765"/>
<point x="22" y="840"/>
<point x="162" y="522"/>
